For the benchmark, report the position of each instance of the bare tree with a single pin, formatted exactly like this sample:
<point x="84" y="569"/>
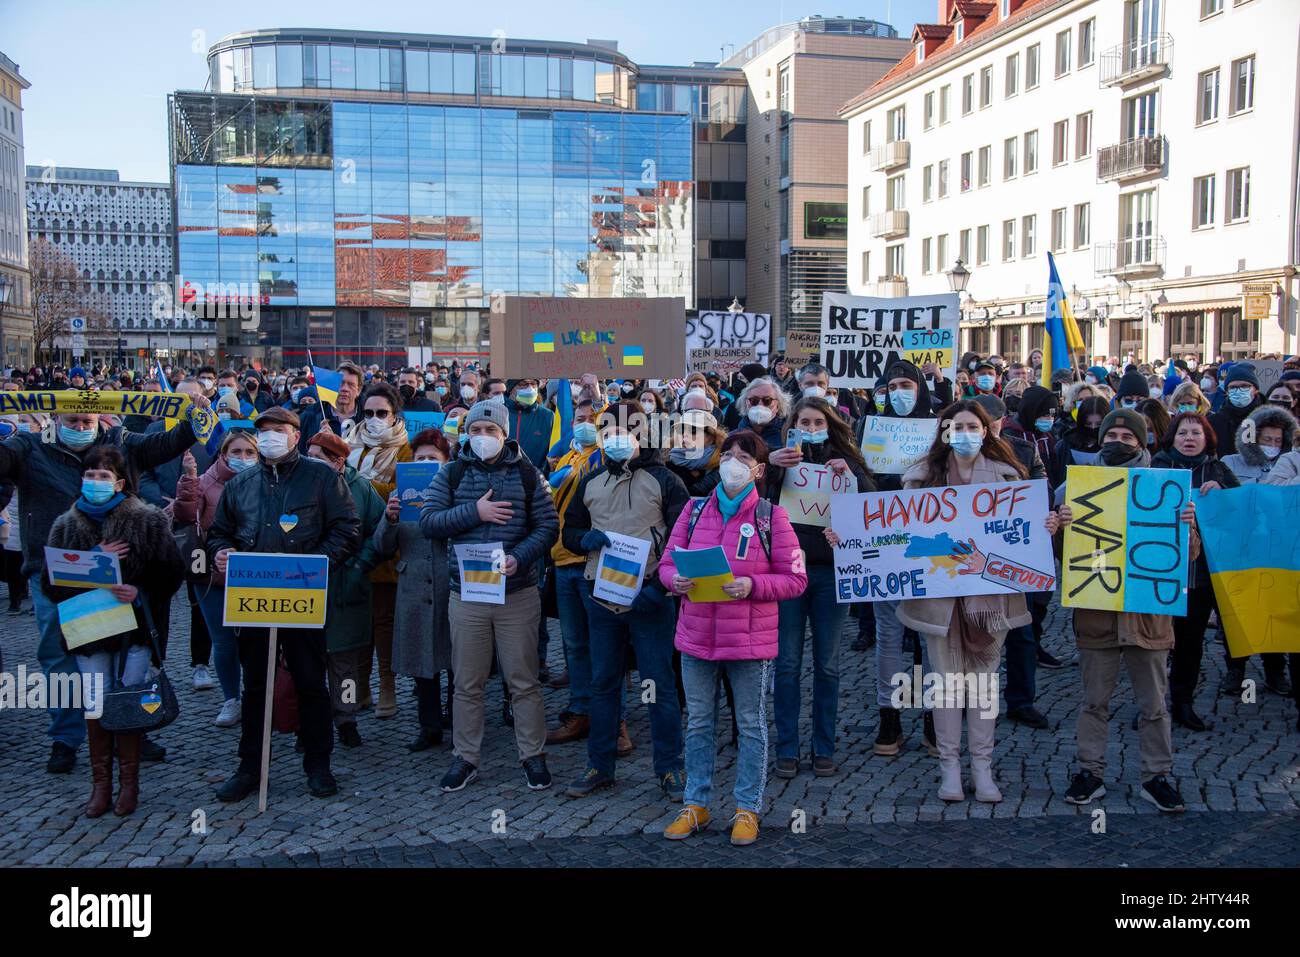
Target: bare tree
<point x="59" y="292"/>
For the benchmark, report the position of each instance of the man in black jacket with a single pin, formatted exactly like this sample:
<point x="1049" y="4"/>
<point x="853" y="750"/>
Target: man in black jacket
<point x="414" y="398"/>
<point x="288" y="504"/>
<point x="1242" y="385"/>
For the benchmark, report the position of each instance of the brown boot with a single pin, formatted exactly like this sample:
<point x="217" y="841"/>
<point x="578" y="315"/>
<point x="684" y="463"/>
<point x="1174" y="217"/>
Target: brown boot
<point x="101" y="768"/>
<point x="625" y="745"/>
<point x="573" y="727"/>
<point x="386" y="707"/>
<point x="128" y="771"/>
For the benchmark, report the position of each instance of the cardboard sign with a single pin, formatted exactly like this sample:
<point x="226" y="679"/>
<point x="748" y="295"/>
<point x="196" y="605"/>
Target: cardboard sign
<point x="801" y="346"/>
<point x="92" y="616"/>
<point x="417" y="422"/>
<point x="1126" y="549"/>
<point x="730" y="330"/>
<point x="542" y="337"/>
<point x="862" y="336"/>
<point x="892" y="446"/>
<point x="412" y="479"/>
<point x="69" y="568"/>
<point x="807" y="489"/>
<point x="482" y="572"/>
<point x="708" y="568"/>
<point x="276" y="590"/>
<point x="620" y="569"/>
<point x="1268" y="371"/>
<point x="942" y="542"/>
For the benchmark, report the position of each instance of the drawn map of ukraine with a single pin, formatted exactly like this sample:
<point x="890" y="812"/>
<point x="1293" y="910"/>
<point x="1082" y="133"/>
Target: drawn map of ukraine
<point x="938" y="549"/>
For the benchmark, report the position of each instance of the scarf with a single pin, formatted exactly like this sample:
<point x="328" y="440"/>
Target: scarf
<point x="97" y="513"/>
<point x="1138" y="459"/>
<point x="375" y="457"/>
<point x="729" y="505"/>
<point x="1185" y="461"/>
<point x="691" y="458"/>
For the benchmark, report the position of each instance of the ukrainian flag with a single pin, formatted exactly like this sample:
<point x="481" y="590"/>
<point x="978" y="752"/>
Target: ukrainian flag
<point x="620" y="571"/>
<point x="327" y="384"/>
<point x="543" y="342"/>
<point x="633" y="356"/>
<point x="1061" y="337"/>
<point x="562" y="421"/>
<point x="92" y="616"/>
<point x="1248" y="534"/>
<point x="479" y="571"/>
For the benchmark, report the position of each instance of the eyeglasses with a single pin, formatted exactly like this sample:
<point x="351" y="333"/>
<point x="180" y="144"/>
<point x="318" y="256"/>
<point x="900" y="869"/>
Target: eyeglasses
<point x="763" y="400"/>
<point x="375" y="414"/>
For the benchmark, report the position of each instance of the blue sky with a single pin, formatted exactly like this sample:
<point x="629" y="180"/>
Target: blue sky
<point x="101" y="71"/>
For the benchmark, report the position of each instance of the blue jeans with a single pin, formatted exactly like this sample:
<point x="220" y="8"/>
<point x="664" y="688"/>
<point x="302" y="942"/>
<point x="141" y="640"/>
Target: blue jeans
<point x="650" y="633"/>
<point x="748" y="685"/>
<point x="66" y="724"/>
<point x="570" y="586"/>
<point x="1022" y="664"/>
<point x="889" y="652"/>
<point x="225" y="646"/>
<point x="816" y="605"/>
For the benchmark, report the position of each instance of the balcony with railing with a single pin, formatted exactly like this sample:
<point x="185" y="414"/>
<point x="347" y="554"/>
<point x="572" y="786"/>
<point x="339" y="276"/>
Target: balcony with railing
<point x="890" y="287"/>
<point x="1130" y="257"/>
<point x="1135" y="59"/>
<point x="1140" y="156"/>
<point x="889" y="224"/>
<point x="891" y="155"/>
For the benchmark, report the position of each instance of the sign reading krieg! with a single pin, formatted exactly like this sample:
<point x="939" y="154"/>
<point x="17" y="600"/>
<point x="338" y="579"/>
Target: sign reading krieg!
<point x="272" y="590"/>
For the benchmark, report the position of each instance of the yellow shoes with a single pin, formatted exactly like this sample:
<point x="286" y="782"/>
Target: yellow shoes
<point x="692" y="818"/>
<point x="744" y="828"/>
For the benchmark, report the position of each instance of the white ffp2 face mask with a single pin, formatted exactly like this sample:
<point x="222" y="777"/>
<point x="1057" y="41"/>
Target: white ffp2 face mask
<point x="734" y="474"/>
<point x="485" y="446"/>
<point x="759" y="414"/>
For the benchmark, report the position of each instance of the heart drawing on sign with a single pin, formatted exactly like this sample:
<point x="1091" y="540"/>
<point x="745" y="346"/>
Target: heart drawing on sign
<point x="288" y="522"/>
<point x="72" y="557"/>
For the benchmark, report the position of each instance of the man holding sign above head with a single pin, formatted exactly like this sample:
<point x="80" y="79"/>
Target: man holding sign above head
<point x="295" y="505"/>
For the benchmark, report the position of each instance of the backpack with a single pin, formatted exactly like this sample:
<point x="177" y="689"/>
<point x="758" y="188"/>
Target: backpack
<point x="762" y="516"/>
<point x="527" y="475"/>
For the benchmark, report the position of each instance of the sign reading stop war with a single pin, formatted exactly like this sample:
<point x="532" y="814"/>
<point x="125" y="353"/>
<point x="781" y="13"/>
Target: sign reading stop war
<point x="807" y="489"/>
<point x="730" y="330"/>
<point x="271" y="590"/>
<point x="1126" y="549"/>
<point x="862" y="336"/>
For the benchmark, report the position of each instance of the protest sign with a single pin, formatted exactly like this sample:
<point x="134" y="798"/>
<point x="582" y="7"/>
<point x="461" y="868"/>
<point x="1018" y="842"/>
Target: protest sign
<point x="1251" y="537"/>
<point x="543" y="337"/>
<point x="730" y="330"/>
<point x="274" y="590"/>
<point x="892" y="446"/>
<point x="942" y="542"/>
<point x="70" y="568"/>
<point x="620" y="568"/>
<point x="1126" y="549"/>
<point x="92" y="616"/>
<point x="1267" y="371"/>
<point x="417" y="422"/>
<point x="708" y="568"/>
<point x="861" y="336"/>
<point x="482" y="572"/>
<point x="164" y="405"/>
<point x="725" y="362"/>
<point x="412" y="479"/>
<point x="806" y="492"/>
<point x="802" y="346"/>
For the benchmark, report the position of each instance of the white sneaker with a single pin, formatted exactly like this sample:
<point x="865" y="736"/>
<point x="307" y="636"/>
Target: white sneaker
<point x="231" y="714"/>
<point x="203" y="678"/>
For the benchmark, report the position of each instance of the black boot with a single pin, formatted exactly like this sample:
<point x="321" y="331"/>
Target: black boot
<point x="426" y="739"/>
<point x="1232" y="681"/>
<point x="1184" y="715"/>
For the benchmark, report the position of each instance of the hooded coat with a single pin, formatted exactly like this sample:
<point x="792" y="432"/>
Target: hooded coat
<point x="1249" y="463"/>
<point x="901" y="369"/>
<point x="1035" y="402"/>
<point x="1228" y="419"/>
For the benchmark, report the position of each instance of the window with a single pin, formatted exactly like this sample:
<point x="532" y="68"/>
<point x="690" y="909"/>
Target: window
<point x="783" y="88"/>
<point x="943" y="179"/>
<point x="1008" y="240"/>
<point x="941" y="253"/>
<point x="1031" y="152"/>
<point x="967" y="93"/>
<point x="1060" y="142"/>
<point x="1012" y="85"/>
<point x="896" y="124"/>
<point x="866" y="137"/>
<point x="1139" y="114"/>
<point x="1082" y="225"/>
<point x="1137" y="227"/>
<point x="963" y="245"/>
<point x="1210" y="7"/>
<point x="982" y="246"/>
<point x="1243" y="85"/>
<point x="1010" y="148"/>
<point x="1203" y="202"/>
<point x="1083" y="135"/>
<point x="1028" y="235"/>
<point x="927" y="184"/>
<point x="986" y="87"/>
<point x="1237" y="199"/>
<point x="927" y="114"/>
<point x="1063" y="47"/>
<point x="945" y="103"/>
<point x="1032" y="56"/>
<point x="866" y="201"/>
<point x="1207" y="96"/>
<point x="986" y="164"/>
<point x="1087" y="43"/>
<point x="894" y="197"/>
<point x="895" y="262"/>
<point x="866" y="266"/>
<point x="1060" y="225"/>
<point x="925" y="256"/>
<point x="967" y="159"/>
<point x="961" y="30"/>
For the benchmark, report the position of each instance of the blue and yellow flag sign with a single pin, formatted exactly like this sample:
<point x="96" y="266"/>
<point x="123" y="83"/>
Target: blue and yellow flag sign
<point x="1126" y="548"/>
<point x="1251" y="537"/>
<point x="276" y="591"/>
<point x="166" y="405"/>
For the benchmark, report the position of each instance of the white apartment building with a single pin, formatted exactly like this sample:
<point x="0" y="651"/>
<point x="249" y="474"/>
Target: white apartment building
<point x="1150" y="145"/>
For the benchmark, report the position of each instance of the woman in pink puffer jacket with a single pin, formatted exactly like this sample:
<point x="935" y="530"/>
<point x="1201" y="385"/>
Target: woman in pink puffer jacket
<point x="738" y="637"/>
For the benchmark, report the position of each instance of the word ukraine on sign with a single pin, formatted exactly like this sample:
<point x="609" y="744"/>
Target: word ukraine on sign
<point x="729" y="330"/>
<point x="862" y="336"/>
<point x="807" y="489"/>
<point x="275" y="590"/>
<point x="942" y="542"/>
<point x="1252" y="545"/>
<point x="893" y="446"/>
<point x="1126" y="549"/>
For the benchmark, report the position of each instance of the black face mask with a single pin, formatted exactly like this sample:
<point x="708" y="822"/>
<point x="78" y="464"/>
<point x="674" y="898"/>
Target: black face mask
<point x="1118" y="453"/>
<point x="407" y="391"/>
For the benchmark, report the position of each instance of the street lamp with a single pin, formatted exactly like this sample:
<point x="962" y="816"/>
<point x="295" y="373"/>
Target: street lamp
<point x="958" y="277"/>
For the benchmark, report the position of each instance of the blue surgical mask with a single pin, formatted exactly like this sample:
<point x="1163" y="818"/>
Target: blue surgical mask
<point x="295" y="393"/>
<point x="1184" y="407"/>
<point x="1240" y="396"/>
<point x="226" y="390"/>
<point x="619" y="447"/>
<point x="1043" y="423"/>
<point x="903" y="400"/>
<point x="441" y="390"/>
<point x="584" y="433"/>
<point x="966" y="443"/>
<point x="463" y="438"/>
<point x="75" y="438"/>
<point x="238" y="465"/>
<point x="816" y="438"/>
<point x="985" y="382"/>
<point x="97" y="491"/>
<point x="1129" y="403"/>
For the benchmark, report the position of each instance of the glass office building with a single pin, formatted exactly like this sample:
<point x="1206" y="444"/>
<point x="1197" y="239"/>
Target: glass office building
<point x="372" y="197"/>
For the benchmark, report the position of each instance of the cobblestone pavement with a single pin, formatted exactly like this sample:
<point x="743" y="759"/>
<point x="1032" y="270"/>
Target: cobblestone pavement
<point x="1240" y="781"/>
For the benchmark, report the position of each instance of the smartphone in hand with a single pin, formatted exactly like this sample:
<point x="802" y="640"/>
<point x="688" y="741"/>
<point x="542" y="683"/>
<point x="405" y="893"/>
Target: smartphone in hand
<point x="794" y="439"/>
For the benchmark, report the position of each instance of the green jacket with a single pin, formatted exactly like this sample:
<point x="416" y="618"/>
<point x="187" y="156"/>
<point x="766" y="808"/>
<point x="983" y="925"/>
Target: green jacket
<point x="347" y="622"/>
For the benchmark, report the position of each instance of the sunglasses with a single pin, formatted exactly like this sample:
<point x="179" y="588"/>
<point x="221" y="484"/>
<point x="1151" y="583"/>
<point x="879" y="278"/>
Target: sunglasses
<point x="375" y="414"/>
<point x="762" y="400"/>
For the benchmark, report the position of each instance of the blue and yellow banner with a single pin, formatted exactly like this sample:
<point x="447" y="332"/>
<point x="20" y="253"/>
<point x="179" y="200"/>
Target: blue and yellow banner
<point x="163" y="405"/>
<point x="271" y="590"/>
<point x="1251" y="537"/>
<point x="328" y="384"/>
<point x="93" y="616"/>
<point x="1061" y="337"/>
<point x="708" y="568"/>
<point x="620" y="571"/>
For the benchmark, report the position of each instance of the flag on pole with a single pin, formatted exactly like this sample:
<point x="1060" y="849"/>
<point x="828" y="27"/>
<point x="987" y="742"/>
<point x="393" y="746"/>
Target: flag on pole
<point x="1061" y="338"/>
<point x="562" y="423"/>
<point x="328" y="384"/>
